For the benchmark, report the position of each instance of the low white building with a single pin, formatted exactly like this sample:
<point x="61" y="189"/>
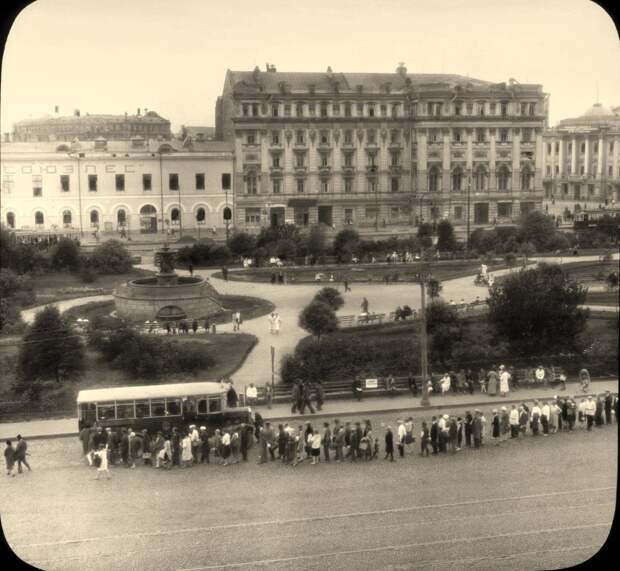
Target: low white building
<point x="139" y="186"/>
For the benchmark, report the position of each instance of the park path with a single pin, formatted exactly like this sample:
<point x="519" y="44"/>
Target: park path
<point x="289" y="299"/>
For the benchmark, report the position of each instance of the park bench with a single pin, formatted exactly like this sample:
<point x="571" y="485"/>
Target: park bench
<point x="346" y="320"/>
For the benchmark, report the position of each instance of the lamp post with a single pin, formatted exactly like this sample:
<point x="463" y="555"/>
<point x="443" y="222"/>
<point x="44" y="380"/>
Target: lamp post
<point x="468" y="211"/>
<point x="422" y="278"/>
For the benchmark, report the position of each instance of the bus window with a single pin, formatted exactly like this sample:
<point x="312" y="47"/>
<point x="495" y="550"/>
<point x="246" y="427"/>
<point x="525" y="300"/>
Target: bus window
<point x="124" y="410"/>
<point x="215" y="405"/>
<point x="158" y="408"/>
<point x="142" y="409"/>
<point x="105" y="411"/>
<point x="173" y="406"/>
<point x="202" y="406"/>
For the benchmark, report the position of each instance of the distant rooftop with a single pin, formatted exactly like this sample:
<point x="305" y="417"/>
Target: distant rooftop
<point x="595" y="115"/>
<point x="148" y="117"/>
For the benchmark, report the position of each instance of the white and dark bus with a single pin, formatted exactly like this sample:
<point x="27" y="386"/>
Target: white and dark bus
<point x="160" y="407"/>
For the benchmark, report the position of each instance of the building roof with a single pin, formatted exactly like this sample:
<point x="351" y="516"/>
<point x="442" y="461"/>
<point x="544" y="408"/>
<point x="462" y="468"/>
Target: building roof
<point x="598" y="110"/>
<point x="195" y="132"/>
<point x="148" y="117"/>
<point x="116" y="146"/>
<point x="595" y="116"/>
<point x="275" y="81"/>
<point x="151" y="392"/>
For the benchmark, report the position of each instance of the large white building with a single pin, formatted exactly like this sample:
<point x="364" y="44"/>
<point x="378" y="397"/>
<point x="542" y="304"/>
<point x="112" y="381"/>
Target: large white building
<point x="141" y="186"/>
<point x="581" y="159"/>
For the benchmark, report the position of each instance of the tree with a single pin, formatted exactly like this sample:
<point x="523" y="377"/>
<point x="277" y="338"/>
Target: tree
<point x="220" y="255"/>
<point x="315" y="243"/>
<point x="318" y="318"/>
<point x="444" y="329"/>
<point x="425" y="234"/>
<point x="538" y="308"/>
<point x="330" y="296"/>
<point x="433" y="287"/>
<point x="242" y="244"/>
<point x="612" y="280"/>
<point x="539" y="229"/>
<point x="66" y="255"/>
<point x="446" y="241"/>
<point x="346" y="243"/>
<point x="50" y="349"/>
<point x="286" y="249"/>
<point x="111" y="257"/>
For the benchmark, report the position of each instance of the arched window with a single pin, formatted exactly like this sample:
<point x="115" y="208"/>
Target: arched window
<point x="227" y="213"/>
<point x="433" y="179"/>
<point x="148" y="219"/>
<point x="10" y="219"/>
<point x="175" y="215"/>
<point x="503" y="178"/>
<point x="526" y="179"/>
<point x="201" y="215"/>
<point x="94" y="218"/>
<point x="67" y="218"/>
<point x="121" y="217"/>
<point x="480" y="179"/>
<point x="39" y="219"/>
<point x="457" y="180"/>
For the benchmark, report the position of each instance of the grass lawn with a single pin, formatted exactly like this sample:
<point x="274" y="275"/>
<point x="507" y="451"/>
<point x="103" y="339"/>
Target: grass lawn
<point x="227" y="349"/>
<point x="57" y="286"/>
<point x="363" y="272"/>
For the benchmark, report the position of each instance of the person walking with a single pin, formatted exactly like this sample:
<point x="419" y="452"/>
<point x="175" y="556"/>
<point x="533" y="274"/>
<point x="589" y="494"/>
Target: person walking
<point x="476" y="429"/>
<point x="452" y="434"/>
<point x="268" y="395"/>
<point x="225" y="447"/>
<point x="235" y="446"/>
<point x="186" y="451"/>
<point x="364" y="305"/>
<point x="196" y="442"/>
<point x="190" y="267"/>
<point x="402" y="435"/>
<point x="467" y="426"/>
<point x="21" y="451"/>
<point x="492" y="382"/>
<point x="389" y="444"/>
<point x="305" y="399"/>
<point x="251" y="395"/>
<point x="535" y="418"/>
<point x="205" y="448"/>
<point x="9" y="458"/>
<point x="315" y="446"/>
<point x="409" y="438"/>
<point x="346" y="285"/>
<point x="589" y="412"/>
<point x="424" y="439"/>
<point x="545" y="414"/>
<point x="434" y="435"/>
<point x="584" y="378"/>
<point x="102" y="462"/>
<point x="513" y="420"/>
<point x="296" y="397"/>
<point x="357" y="388"/>
<point x="504" y="420"/>
<point x="339" y="441"/>
<point x="504" y="381"/>
<point x="495" y="423"/>
<point x="319" y="395"/>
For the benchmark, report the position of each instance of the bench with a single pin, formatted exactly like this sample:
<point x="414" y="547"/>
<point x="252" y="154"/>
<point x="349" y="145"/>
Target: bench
<point x="346" y="320"/>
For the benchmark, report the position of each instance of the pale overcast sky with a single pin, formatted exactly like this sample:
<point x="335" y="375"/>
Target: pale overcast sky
<point x="114" y="56"/>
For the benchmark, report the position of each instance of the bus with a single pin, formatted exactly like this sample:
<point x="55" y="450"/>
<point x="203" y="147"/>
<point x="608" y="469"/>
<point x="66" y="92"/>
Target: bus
<point x="160" y="407"/>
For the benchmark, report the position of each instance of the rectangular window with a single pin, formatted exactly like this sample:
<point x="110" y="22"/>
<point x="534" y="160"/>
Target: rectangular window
<point x="348" y="215"/>
<point x="173" y="181"/>
<point x="527" y="135"/>
<point x="348" y="185"/>
<point x="481" y="108"/>
<point x="610" y="171"/>
<point x="371" y="136"/>
<point x="324" y="160"/>
<point x="395" y="184"/>
<point x="252" y="216"/>
<point x="275" y="137"/>
<point x="493" y="108"/>
<point x="312" y="109"/>
<point x="324" y="186"/>
<point x="457" y="109"/>
<point x="548" y="170"/>
<point x="360" y="109"/>
<point x="250" y="185"/>
<point x="200" y="181"/>
<point x="274" y="110"/>
<point x="323" y="109"/>
<point x="276" y="186"/>
<point x="395" y="109"/>
<point x="125" y="410"/>
<point x="246" y="109"/>
<point x="523" y="108"/>
<point x="383" y="108"/>
<point x="611" y="147"/>
<point x="255" y="109"/>
<point x="174" y="407"/>
<point x="504" y="209"/>
<point x="348" y="159"/>
<point x="549" y="148"/>
<point x="300" y="185"/>
<point x="119" y="182"/>
<point x="147" y="183"/>
<point x="251" y="139"/>
<point x="324" y="138"/>
<point x="371" y="212"/>
<point x="395" y="159"/>
<point x="347" y="110"/>
<point x="503" y="108"/>
<point x="372" y="185"/>
<point x="300" y="138"/>
<point x="142" y="409"/>
<point x="348" y="137"/>
<point x="458" y="213"/>
<point x="532" y="109"/>
<point x="336" y="108"/>
<point x="287" y="109"/>
<point x="64" y="182"/>
<point x="371" y="110"/>
<point x="276" y="161"/>
<point x="92" y="183"/>
<point x="300" y="160"/>
<point x="456" y="135"/>
<point x="557" y="148"/>
<point x="479" y="135"/>
<point x="470" y="108"/>
<point x="158" y="408"/>
<point x="503" y="135"/>
<point x="299" y="109"/>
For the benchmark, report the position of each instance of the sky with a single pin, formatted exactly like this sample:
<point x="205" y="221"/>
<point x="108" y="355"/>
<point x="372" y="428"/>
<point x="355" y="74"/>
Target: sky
<point x="114" y="56"/>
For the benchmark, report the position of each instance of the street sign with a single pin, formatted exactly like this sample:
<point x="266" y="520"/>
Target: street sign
<point x="372" y="383"/>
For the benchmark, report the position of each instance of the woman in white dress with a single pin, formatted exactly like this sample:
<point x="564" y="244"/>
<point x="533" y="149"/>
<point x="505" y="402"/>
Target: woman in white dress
<point x="272" y="322"/>
<point x="276" y="323"/>
<point x="186" y="451"/>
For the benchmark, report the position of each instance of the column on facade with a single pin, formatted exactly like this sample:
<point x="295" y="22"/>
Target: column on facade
<point x="445" y="163"/>
<point x="492" y="159"/>
<point x="538" y="168"/>
<point x="573" y="157"/>
<point x="265" y="161"/>
<point x="586" y="157"/>
<point x="561" y="157"/>
<point x="422" y="162"/>
<point x="516" y="160"/>
<point x="600" y="165"/>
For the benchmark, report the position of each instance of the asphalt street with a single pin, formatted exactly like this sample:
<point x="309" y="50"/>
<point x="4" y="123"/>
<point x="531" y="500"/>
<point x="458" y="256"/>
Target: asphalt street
<point x="536" y="503"/>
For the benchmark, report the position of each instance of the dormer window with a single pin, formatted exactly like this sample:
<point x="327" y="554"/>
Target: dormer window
<point x="255" y="110"/>
<point x="470" y="108"/>
<point x="245" y="109"/>
<point x="336" y="108"/>
<point x="481" y="108"/>
<point x="312" y="109"/>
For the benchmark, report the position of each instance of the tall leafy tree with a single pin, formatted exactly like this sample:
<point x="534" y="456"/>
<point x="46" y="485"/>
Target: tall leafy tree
<point x="50" y="349"/>
<point x="446" y="241"/>
<point x="346" y="243"/>
<point x="539" y="309"/>
<point x="66" y="255"/>
<point x="330" y="296"/>
<point x="319" y="319"/>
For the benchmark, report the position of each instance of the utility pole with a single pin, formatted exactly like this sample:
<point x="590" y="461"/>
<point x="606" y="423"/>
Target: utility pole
<point x="422" y="278"/>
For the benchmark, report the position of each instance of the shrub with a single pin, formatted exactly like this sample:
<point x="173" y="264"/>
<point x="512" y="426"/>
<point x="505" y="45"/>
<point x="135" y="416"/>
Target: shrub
<point x="242" y="244"/>
<point x="330" y="296"/>
<point x="318" y="319"/>
<point x="87" y="275"/>
<point x="220" y="256"/>
<point x="346" y="243"/>
<point x="510" y="259"/>
<point x="66" y="255"/>
<point x="111" y="257"/>
<point x="286" y="249"/>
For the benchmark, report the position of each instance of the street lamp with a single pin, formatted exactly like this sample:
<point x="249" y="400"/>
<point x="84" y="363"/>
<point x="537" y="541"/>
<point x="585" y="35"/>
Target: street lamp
<point x="422" y="278"/>
<point x="468" y="210"/>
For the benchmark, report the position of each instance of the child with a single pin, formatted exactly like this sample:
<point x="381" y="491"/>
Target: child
<point x="102" y="467"/>
<point x="424" y="439"/>
<point x="9" y="456"/>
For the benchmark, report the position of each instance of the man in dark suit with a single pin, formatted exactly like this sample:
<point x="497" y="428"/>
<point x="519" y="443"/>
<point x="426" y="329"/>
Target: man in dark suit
<point x="476" y="429"/>
<point x="20" y="454"/>
<point x="435" y="435"/>
<point x="609" y="401"/>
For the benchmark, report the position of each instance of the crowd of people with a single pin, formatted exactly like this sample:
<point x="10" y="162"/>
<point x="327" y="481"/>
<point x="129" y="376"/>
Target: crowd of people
<point x="16" y="455"/>
<point x="342" y="441"/>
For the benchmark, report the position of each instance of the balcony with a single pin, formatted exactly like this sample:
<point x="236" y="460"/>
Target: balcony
<point x="325" y="170"/>
<point x="395" y="169"/>
<point x="276" y="170"/>
<point x="300" y="169"/>
<point x="372" y="169"/>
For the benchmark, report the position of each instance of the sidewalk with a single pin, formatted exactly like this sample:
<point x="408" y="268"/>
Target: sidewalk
<point x="36" y="429"/>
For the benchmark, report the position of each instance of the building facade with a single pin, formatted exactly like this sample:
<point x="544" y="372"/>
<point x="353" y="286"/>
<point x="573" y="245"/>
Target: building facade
<point x="139" y="186"/>
<point x="88" y="127"/>
<point x="581" y="158"/>
<point x="381" y="152"/>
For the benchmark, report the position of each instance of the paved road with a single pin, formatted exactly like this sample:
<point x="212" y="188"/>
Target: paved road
<point x="544" y="503"/>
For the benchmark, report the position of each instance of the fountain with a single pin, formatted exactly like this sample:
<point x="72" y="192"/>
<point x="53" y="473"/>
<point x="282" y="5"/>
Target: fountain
<point x="167" y="296"/>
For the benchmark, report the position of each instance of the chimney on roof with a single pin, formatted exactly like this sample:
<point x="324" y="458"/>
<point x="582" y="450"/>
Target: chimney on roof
<point x="401" y="69"/>
<point x="138" y="113"/>
<point x="56" y="109"/>
<point x="76" y="113"/>
<point x="329" y="69"/>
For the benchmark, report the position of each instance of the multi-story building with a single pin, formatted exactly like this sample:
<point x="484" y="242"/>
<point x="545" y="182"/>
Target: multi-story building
<point x="581" y="158"/>
<point x="381" y="151"/>
<point x="88" y="127"/>
<point x="141" y="186"/>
